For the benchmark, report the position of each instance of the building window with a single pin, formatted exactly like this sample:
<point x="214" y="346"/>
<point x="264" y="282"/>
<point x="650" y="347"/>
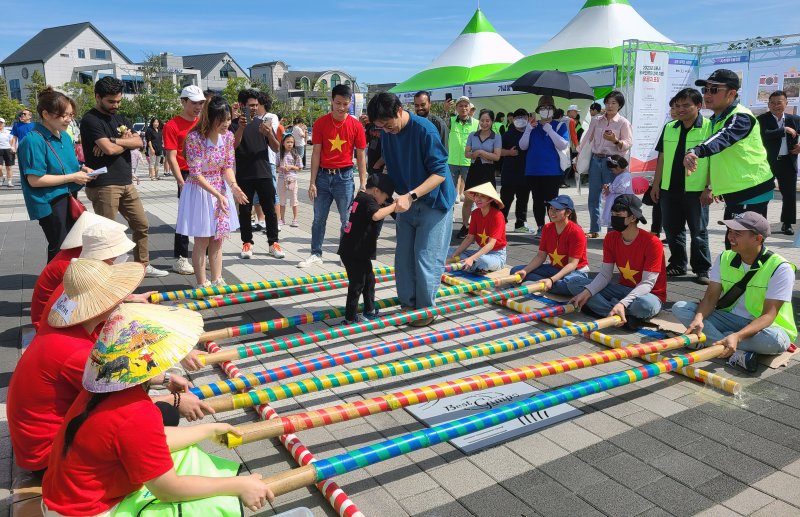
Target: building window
<point x="348" y="83"/>
<point x="305" y="84"/>
<point x="264" y="78"/>
<point x="297" y="84"/>
<point x="14" y="89"/>
<point x="81" y="53"/>
<point x="98" y="53"/>
<point x="335" y="80"/>
<point x="323" y="84"/>
<point x="280" y="82"/>
<point x="227" y="72"/>
<point x="64" y="54"/>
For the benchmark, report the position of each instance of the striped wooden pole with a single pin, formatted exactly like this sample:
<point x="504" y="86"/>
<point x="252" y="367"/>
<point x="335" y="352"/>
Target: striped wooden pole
<point x="342" y="463"/>
<point x="295" y="340"/>
<point x="382" y="371"/>
<point x="252" y="286"/>
<point x="338" y="499"/>
<point x="251" y="380"/>
<point x="400" y="399"/>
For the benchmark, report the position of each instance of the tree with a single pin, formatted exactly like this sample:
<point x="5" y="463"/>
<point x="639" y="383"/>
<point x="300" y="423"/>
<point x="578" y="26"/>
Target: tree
<point x="156" y="95"/>
<point x="9" y="108"/>
<point x="82" y="94"/>
<point x="34" y="88"/>
<point x="3" y="88"/>
<point x="235" y="84"/>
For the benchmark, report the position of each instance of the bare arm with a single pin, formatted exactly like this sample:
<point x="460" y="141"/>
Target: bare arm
<point x="535" y="262"/>
<point x="172" y="162"/>
<point x="384" y="212"/>
<point x="361" y="163"/>
<point x="466" y="243"/>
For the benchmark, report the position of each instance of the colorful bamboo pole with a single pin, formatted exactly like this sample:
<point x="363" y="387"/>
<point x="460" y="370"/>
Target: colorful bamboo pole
<point x="338" y="499"/>
<point x="319" y="363"/>
<point x="381" y="451"/>
<point x="712" y="379"/>
<point x="259" y="296"/>
<point x="390" y="402"/>
<point x="292" y="341"/>
<point x="382" y="371"/>
<point x="252" y="286"/>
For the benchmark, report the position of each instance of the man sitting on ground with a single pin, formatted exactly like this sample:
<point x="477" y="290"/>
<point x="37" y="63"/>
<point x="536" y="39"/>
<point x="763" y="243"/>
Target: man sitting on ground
<point x="747" y="306"/>
<point x="639" y="257"/>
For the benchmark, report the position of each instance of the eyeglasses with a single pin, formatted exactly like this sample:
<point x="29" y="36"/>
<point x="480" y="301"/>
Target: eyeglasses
<point x="713" y="90"/>
<point x="67" y="115"/>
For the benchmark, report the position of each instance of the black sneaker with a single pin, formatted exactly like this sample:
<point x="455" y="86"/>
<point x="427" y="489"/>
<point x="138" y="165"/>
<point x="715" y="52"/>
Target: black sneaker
<point x="257" y="227"/>
<point x="371" y="315"/>
<point x="746" y="360"/>
<point x="787" y="229"/>
<point x="463" y="232"/>
<point x="702" y="278"/>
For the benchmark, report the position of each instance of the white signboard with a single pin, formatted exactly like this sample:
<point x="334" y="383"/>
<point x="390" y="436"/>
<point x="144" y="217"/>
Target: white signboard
<point x="596" y="78"/>
<point x="452" y="408"/>
<point x="437" y="94"/>
<point x="650" y="92"/>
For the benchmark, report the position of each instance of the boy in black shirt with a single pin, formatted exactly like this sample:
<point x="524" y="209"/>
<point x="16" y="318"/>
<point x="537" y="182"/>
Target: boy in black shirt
<point x="359" y="242"/>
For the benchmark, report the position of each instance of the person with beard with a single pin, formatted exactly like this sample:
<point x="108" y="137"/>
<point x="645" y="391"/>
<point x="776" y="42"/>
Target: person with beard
<point x="422" y="107"/>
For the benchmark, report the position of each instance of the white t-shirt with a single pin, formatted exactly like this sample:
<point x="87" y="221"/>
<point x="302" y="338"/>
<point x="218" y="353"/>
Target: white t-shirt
<point x="299" y="135"/>
<point x="779" y="287"/>
<point x="5" y="139"/>
<point x="273" y="156"/>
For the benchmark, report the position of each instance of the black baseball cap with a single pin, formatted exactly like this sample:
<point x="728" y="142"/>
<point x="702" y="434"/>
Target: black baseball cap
<point x="722" y="76"/>
<point x="382" y="182"/>
<point x="521" y="112"/>
<point x="630" y="203"/>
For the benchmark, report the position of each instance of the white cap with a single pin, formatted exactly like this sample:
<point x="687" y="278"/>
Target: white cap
<point x="463" y="98"/>
<point x="193" y="93"/>
<point x="2" y="120"/>
<point x="573" y="107"/>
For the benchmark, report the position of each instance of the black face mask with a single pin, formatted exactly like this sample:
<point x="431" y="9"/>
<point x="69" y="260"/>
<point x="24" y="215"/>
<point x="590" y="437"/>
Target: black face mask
<point x="618" y="223"/>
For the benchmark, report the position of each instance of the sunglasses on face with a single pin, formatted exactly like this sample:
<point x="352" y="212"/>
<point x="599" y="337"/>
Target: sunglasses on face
<point x="713" y="90"/>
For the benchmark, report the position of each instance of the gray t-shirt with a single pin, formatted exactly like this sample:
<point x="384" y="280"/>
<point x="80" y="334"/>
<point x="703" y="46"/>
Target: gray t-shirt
<point x="490" y="145"/>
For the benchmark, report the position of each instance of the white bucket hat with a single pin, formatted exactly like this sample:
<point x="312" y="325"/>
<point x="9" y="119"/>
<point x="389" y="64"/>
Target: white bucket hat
<point x="103" y="242"/>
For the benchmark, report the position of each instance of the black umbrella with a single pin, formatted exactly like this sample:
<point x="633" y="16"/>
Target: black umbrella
<point x="555" y="83"/>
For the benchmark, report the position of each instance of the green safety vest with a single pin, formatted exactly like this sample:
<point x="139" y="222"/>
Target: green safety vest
<point x="756" y="291"/>
<point x="697" y="135"/>
<point x="496" y="127"/>
<point x="457" y="140"/>
<point x="742" y="165"/>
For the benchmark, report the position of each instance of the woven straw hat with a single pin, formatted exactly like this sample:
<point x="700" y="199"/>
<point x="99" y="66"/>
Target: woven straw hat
<point x="138" y="342"/>
<point x="487" y="189"/>
<point x="92" y="287"/>
<point x="103" y="242"/>
<point x="86" y="220"/>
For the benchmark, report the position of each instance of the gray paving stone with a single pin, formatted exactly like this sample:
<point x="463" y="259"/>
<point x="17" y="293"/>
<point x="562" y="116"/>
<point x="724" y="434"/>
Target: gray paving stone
<point x="598" y="452"/>
<point x="641" y="445"/>
<point x="495" y="500"/>
<point x="748" y="501"/>
<point x="670" y="432"/>
<point x="718" y="511"/>
<point x="738" y="465"/>
<point x="573" y="473"/>
<point x="629" y="471"/>
<point x="570" y="436"/>
<point x="612" y="498"/>
<point x="689" y="471"/>
<point x="777" y="508"/>
<point x="781" y="486"/>
<point x="721" y="488"/>
<point x="434" y="502"/>
<point x="546" y="496"/>
<point x="461" y="478"/>
<point x="675" y="497"/>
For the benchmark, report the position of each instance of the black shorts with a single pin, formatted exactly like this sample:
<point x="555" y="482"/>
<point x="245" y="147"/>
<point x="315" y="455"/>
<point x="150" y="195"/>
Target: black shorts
<point x="6" y="157"/>
<point x="479" y="173"/>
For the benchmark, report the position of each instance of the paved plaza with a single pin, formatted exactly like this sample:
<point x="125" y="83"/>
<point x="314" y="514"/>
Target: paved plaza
<point x="663" y="446"/>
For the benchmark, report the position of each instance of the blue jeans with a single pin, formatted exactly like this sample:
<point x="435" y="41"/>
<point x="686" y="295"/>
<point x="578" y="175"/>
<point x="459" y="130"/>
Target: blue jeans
<point x="719" y="324"/>
<point x="548" y="270"/>
<point x="423" y="237"/>
<point x="679" y="209"/>
<point x="330" y="188"/>
<point x="599" y="175"/>
<point x="275" y="182"/>
<point x="643" y="307"/>
<point x="492" y="261"/>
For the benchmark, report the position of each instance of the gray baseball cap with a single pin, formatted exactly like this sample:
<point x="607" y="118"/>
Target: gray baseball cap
<point x="752" y="221"/>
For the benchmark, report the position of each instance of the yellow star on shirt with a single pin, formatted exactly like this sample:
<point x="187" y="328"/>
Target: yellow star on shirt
<point x="483" y="237"/>
<point x="336" y="143"/>
<point x="556" y="259"/>
<point x="628" y="273"/>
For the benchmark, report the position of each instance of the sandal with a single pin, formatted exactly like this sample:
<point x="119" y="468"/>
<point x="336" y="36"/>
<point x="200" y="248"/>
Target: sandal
<point x="675" y="271"/>
<point x="593" y="235"/>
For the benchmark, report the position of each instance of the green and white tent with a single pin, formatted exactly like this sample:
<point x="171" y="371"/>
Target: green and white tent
<point x="590" y="45"/>
<point x="477" y="52"/>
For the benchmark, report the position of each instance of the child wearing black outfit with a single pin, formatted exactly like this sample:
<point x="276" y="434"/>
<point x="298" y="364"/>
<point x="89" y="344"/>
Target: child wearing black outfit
<point x="359" y="242"/>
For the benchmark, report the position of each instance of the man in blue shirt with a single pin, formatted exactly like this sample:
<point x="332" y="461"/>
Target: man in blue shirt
<point x="417" y="163"/>
<point x="20" y="129"/>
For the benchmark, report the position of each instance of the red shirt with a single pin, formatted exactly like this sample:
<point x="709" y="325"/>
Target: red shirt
<point x="645" y="253"/>
<point x="46" y="381"/>
<point x="51" y="277"/>
<point x="492" y="225"/>
<point x="174" y="135"/>
<point x="119" y="447"/>
<point x="560" y="248"/>
<point x="338" y="139"/>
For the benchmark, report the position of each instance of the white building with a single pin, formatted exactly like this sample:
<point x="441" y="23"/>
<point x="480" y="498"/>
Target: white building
<point x="299" y="83"/>
<point x="215" y="69"/>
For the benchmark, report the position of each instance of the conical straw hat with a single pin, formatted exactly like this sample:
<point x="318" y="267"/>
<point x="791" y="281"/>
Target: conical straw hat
<point x="138" y="342"/>
<point x="91" y="288"/>
<point x="487" y="189"/>
<point x="86" y="220"/>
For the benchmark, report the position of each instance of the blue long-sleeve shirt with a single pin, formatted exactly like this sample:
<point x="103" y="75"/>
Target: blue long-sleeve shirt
<point x="414" y="154"/>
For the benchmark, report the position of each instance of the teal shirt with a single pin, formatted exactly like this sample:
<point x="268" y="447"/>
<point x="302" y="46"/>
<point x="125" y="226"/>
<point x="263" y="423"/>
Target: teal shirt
<point x="36" y="158"/>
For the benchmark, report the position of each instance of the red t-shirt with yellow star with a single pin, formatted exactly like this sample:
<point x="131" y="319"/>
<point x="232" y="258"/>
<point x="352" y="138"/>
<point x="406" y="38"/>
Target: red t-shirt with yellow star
<point x="645" y="253"/>
<point x="485" y="227"/>
<point x="338" y="139"/>
<point x="560" y="248"/>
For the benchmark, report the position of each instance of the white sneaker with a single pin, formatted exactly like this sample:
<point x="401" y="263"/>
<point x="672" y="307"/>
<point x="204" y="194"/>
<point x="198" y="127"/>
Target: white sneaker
<point x="276" y="251"/>
<point x="10" y="184"/>
<point x="182" y="266"/>
<point x="205" y="284"/>
<point x="219" y="282"/>
<point x="312" y="260"/>
<point x="151" y="272"/>
<point x="294" y="224"/>
<point x="3" y="181"/>
<point x="247" y="251"/>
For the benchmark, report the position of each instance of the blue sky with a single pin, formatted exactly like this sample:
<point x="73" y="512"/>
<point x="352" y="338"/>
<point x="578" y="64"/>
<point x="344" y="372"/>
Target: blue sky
<point x="377" y="41"/>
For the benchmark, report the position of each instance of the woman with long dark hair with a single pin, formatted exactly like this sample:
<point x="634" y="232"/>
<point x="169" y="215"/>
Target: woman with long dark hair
<point x="207" y="210"/>
<point x="154" y="149"/>
<point x="50" y="170"/>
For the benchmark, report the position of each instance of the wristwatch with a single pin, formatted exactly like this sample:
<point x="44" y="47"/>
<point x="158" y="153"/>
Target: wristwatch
<point x="113" y="140"/>
<point x="167" y="376"/>
<point x="413" y="196"/>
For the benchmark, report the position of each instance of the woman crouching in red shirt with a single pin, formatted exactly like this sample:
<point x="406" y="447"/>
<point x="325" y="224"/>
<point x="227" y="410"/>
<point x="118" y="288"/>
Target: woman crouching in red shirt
<point x="114" y="442"/>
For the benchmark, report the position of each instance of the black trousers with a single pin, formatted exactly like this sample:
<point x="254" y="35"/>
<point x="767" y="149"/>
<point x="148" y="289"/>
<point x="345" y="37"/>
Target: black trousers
<point x="361" y="281"/>
<point x="655" y="224"/>
<point x="522" y="193"/>
<point x="786" y="174"/>
<point x="57" y="225"/>
<point x="681" y="209"/>
<point x="180" y="247"/>
<point x="733" y="209"/>
<point x="543" y="189"/>
<point x="266" y="198"/>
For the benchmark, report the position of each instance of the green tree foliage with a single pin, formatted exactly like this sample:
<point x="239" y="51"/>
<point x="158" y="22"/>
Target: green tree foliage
<point x="231" y="90"/>
<point x="82" y="94"/>
<point x="8" y="107"/>
<point x="35" y="87"/>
